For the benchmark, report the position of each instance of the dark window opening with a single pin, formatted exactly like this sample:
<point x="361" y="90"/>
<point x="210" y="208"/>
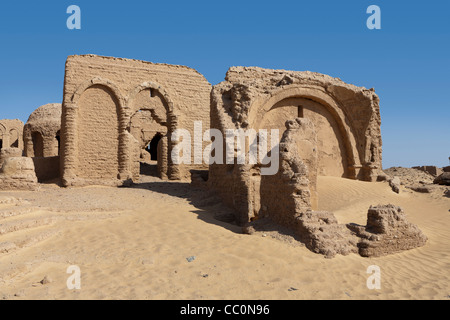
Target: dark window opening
<point x="300" y="112"/>
<point x="152" y="147"/>
<point x="1" y="144"/>
<point x="15" y="144"/>
<point x="58" y="138"/>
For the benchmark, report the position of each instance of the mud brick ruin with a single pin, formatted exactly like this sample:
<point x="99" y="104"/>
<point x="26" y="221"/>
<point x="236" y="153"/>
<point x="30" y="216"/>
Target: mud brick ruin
<point x="106" y="98"/>
<point x="118" y="114"/>
<point x="344" y="130"/>
<point x="42" y="140"/>
<point x="11" y="134"/>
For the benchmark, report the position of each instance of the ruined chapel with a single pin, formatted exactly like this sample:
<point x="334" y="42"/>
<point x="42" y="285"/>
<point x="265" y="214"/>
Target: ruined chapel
<point x="117" y="114"/>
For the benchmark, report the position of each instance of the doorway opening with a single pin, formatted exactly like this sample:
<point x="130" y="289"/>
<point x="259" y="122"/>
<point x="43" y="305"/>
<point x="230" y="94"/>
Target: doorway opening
<point x="58" y="138"/>
<point x="38" y="144"/>
<point x="151" y="169"/>
<point x="152" y="147"/>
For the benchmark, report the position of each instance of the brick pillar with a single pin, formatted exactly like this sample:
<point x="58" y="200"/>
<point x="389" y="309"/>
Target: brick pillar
<point x="69" y="152"/>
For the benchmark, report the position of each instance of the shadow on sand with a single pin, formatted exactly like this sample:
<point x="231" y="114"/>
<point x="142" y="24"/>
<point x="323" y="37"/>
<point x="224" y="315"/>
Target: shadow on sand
<point x="210" y="209"/>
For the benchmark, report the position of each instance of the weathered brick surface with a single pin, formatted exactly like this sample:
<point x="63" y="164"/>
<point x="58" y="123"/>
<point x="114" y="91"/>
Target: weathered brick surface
<point x="42" y="131"/>
<point x="11" y="133"/>
<point x="101" y="96"/>
<point x="346" y="119"/>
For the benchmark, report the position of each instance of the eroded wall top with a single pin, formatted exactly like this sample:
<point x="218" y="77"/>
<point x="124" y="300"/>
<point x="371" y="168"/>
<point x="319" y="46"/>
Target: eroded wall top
<point x="252" y="97"/>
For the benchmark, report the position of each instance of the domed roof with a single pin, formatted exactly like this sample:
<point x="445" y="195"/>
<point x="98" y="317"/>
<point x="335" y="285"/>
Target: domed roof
<point x="46" y="113"/>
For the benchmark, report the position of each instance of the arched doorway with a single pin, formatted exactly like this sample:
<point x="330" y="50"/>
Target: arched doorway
<point x="152" y="147"/>
<point x="98" y="133"/>
<point x="38" y="144"/>
<point x="148" y="125"/>
<point x="332" y="151"/>
<point x="334" y="141"/>
<point x="151" y="163"/>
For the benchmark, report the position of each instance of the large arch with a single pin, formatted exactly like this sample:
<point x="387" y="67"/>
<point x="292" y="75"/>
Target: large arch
<point x="261" y="107"/>
<point x="37" y="143"/>
<point x="94" y="138"/>
<point x="170" y="121"/>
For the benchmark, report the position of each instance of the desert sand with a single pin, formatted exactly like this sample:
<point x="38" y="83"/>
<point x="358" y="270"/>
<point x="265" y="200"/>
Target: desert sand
<point x="134" y="243"/>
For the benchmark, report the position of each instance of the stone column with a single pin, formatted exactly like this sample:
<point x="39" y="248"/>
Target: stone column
<point x="163" y="158"/>
<point x="174" y="170"/>
<point x="126" y="147"/>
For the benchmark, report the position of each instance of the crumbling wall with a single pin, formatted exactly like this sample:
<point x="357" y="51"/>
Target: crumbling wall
<point x="286" y="197"/>
<point x="346" y="119"/>
<point x="17" y="173"/>
<point x="145" y="126"/>
<point x="387" y="231"/>
<point x="433" y="170"/>
<point x="102" y="100"/>
<point x="6" y="153"/>
<point x="293" y="189"/>
<point x="11" y="134"/>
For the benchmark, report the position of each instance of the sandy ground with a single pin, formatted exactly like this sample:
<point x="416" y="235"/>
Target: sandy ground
<point x="133" y="243"/>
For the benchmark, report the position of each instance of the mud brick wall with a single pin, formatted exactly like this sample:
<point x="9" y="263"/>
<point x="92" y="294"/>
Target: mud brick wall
<point x="101" y="96"/>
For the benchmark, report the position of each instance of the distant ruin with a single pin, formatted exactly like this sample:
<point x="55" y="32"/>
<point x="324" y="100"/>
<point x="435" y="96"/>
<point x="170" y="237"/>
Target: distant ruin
<point x="119" y="114"/>
<point x="42" y="132"/>
<point x="11" y="134"/>
<point x="42" y="140"/>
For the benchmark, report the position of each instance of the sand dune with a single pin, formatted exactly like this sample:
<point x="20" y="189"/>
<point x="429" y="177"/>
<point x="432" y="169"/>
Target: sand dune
<point x="133" y="243"/>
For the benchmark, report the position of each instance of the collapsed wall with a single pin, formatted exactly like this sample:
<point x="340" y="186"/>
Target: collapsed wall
<point x="6" y="153"/>
<point x="113" y="108"/>
<point x="17" y="173"/>
<point x="346" y="121"/>
<point x="286" y="199"/>
<point x="387" y="231"/>
<point x="287" y="196"/>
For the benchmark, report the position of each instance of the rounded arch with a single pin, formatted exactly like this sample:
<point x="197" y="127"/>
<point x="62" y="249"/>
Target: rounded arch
<point x="100" y="82"/>
<point x="171" y="121"/>
<point x="113" y="147"/>
<point x="317" y="94"/>
<point x="37" y="141"/>
<point x="152" y="86"/>
<point x="2" y="130"/>
<point x="15" y="137"/>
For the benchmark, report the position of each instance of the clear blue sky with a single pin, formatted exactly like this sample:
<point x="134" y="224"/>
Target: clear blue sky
<point x="407" y="61"/>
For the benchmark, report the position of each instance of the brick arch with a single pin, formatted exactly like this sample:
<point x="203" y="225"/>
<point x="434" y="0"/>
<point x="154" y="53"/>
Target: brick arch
<point x="155" y="86"/>
<point x="172" y="119"/>
<point x="317" y="94"/>
<point x="97" y="81"/>
<point x="2" y="130"/>
<point x="18" y="135"/>
<point x="70" y="141"/>
<point x="171" y="122"/>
